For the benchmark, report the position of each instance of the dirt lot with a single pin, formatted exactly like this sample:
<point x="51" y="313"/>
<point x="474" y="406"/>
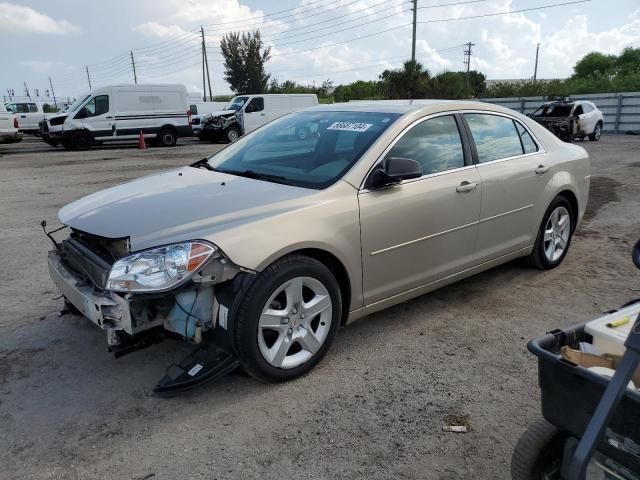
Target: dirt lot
<point x="373" y="409"/>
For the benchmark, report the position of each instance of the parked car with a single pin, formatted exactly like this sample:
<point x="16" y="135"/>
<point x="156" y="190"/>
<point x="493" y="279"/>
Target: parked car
<point x="277" y="240"/>
<point x="29" y="115"/>
<point x="119" y="113"/>
<point x="9" y="126"/>
<point x="571" y="120"/>
<point x="245" y="113"/>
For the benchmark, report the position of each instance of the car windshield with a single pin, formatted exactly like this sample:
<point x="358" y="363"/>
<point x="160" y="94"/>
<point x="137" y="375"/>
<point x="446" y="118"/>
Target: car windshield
<point x="308" y="149"/>
<point x="237" y="103"/>
<point x="78" y="102"/>
<point x="561" y="110"/>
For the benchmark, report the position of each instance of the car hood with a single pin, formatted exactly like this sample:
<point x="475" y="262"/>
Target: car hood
<point x="183" y="204"/>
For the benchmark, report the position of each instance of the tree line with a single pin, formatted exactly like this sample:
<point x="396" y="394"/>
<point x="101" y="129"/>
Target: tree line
<point x="245" y="57"/>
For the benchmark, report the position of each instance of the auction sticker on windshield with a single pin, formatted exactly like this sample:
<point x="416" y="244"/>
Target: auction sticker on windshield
<point x="350" y="126"/>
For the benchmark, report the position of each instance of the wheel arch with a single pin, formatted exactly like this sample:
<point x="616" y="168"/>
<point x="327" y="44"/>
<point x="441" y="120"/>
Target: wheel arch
<point x="573" y="201"/>
<point x="168" y="126"/>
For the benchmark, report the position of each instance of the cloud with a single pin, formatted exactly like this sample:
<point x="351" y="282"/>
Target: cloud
<point x="45" y="66"/>
<point x="16" y="18"/>
<point x="155" y="29"/>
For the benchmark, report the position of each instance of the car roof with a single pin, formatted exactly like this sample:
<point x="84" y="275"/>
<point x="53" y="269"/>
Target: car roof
<point x="408" y="106"/>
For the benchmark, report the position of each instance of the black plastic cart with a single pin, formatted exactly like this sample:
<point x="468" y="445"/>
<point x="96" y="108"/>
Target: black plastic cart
<point x="591" y="425"/>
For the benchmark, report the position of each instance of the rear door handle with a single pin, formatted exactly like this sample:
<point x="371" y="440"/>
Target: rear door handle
<point x="541" y="170"/>
<point x="465" y="187"/>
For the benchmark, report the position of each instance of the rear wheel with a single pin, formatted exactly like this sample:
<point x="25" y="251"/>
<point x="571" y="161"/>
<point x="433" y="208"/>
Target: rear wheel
<point x="538" y="453"/>
<point x="81" y="141"/>
<point x="288" y="319"/>
<point x="167" y="138"/>
<point x="597" y="133"/>
<point x="554" y="235"/>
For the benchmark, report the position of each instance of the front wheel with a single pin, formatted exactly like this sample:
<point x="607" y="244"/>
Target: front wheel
<point x="538" y="453"/>
<point x="554" y="235"/>
<point x="81" y="141"/>
<point x="288" y="319"/>
<point x="232" y="134"/>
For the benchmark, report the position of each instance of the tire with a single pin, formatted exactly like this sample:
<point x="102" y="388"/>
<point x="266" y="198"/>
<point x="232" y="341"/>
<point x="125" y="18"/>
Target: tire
<point x="81" y="141"/>
<point x="167" y="138"/>
<point x="538" y="453"/>
<point x="554" y="235"/>
<point x="231" y="134"/>
<point x="597" y="133"/>
<point x="295" y="344"/>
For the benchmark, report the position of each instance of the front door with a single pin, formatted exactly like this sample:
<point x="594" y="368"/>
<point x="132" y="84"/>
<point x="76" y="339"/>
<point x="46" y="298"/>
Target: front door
<point x="253" y="115"/>
<point x="96" y="117"/>
<point x="424" y="229"/>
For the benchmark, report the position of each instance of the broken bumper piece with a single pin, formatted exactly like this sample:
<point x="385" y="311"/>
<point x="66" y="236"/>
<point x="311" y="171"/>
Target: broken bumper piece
<point x="108" y="311"/>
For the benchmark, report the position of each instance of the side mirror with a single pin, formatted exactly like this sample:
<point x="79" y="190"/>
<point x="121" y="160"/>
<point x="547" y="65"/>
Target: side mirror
<point x="394" y="170"/>
<point x="635" y="254"/>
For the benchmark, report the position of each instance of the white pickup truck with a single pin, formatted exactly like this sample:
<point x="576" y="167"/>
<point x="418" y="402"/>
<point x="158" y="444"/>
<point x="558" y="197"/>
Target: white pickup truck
<point x="8" y="126"/>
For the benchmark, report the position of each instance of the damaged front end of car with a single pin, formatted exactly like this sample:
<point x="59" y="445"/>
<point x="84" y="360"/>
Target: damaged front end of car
<point x="139" y="298"/>
<point x="215" y="125"/>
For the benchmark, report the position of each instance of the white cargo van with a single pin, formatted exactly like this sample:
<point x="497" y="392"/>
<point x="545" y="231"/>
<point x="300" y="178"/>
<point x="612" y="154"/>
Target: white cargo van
<point x="119" y="113"/>
<point x="245" y="113"/>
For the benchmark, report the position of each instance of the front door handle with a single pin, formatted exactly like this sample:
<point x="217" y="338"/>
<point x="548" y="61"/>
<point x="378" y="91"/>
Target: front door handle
<point x="541" y="170"/>
<point x="465" y="187"/>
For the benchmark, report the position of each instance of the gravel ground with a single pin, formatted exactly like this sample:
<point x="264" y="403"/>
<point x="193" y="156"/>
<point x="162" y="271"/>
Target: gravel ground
<point x="375" y="406"/>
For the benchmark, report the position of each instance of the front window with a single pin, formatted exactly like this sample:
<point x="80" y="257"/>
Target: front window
<point x="96" y="106"/>
<point x="237" y="103"/>
<point x="255" y="105"/>
<point x="306" y="149"/>
<point x="435" y="144"/>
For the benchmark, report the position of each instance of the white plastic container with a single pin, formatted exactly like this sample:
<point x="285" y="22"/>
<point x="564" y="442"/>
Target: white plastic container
<point x="608" y="339"/>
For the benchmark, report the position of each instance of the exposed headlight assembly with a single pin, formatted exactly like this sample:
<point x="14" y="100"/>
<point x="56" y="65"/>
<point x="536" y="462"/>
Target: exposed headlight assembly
<point x="160" y="268"/>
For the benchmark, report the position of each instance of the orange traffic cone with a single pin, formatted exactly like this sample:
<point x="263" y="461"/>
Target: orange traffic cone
<point x="141" y="144"/>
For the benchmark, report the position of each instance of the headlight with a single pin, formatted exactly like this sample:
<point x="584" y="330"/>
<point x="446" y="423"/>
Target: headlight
<point x="158" y="269"/>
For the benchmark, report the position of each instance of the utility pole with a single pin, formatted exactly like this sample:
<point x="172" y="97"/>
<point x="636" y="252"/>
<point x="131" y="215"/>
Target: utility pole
<point x="53" y="93"/>
<point x="415" y="21"/>
<point x="535" y="71"/>
<point x="133" y="64"/>
<point x="26" y="90"/>
<point x="204" y="87"/>
<point x="205" y="66"/>
<point x="88" y="77"/>
<point x="467" y="59"/>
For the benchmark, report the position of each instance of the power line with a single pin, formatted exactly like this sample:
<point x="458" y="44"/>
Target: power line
<point x="505" y="13"/>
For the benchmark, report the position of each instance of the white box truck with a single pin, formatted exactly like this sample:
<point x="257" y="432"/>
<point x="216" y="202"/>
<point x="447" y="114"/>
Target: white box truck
<point x="119" y="113"/>
<point x="245" y="113"/>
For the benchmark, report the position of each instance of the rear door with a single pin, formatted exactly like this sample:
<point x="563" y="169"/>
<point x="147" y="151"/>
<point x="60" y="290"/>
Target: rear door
<point x="514" y="172"/>
<point x="425" y="229"/>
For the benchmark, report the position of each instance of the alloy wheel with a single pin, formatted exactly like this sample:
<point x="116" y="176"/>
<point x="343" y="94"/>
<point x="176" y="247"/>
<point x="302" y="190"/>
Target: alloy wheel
<point x="598" y="132"/>
<point x="295" y="322"/>
<point x="556" y="233"/>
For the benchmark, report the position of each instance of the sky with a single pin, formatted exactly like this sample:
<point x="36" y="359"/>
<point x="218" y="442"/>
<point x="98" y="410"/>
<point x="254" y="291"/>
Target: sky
<point x="311" y="40"/>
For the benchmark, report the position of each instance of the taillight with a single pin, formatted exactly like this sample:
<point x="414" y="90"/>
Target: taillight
<point x="15" y="122"/>
<point x="189" y="116"/>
